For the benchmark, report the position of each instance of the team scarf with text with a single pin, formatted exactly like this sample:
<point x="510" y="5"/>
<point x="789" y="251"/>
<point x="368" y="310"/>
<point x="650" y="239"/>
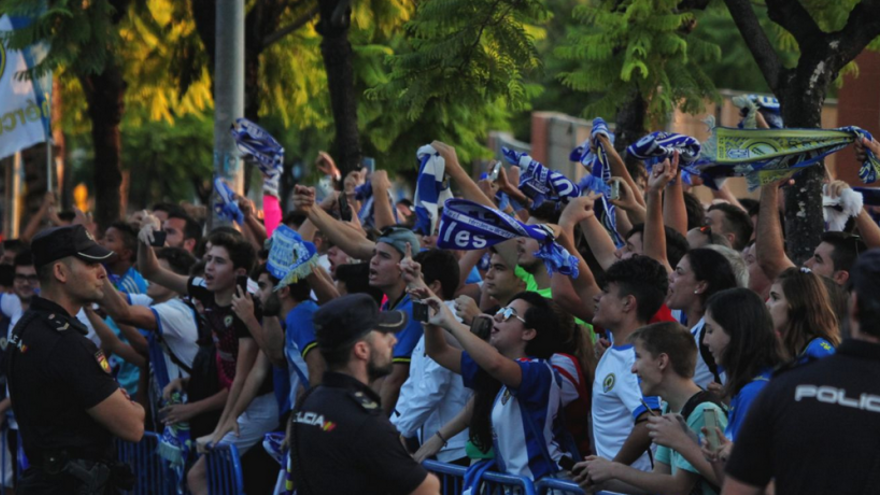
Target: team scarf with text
<point x="432" y="189"/>
<point x="291" y="258"/>
<point x="763" y="156"/>
<point x="539" y="182"/>
<point x="599" y="177"/>
<point x="660" y="145"/>
<point x="465" y="225"/>
<point x="225" y="205"/>
<point x="264" y="150"/>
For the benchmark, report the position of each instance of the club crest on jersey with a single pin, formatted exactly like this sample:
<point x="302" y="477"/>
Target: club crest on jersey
<point x="227" y="320"/>
<point x="505" y="397"/>
<point x="608" y="383"/>
<point x="102" y="362"/>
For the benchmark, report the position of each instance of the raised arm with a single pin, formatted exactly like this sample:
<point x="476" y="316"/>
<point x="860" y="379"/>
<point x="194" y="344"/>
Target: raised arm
<point x="503" y="369"/>
<point x="674" y="210"/>
<point x="575" y="295"/>
<point x="769" y="245"/>
<point x="382" y="207"/>
<point x="268" y="335"/>
<point x="111" y="343"/>
<point x="323" y="286"/>
<point x="469" y="189"/>
<point x="355" y="245"/>
<point x="868" y="228"/>
<point x="654" y="238"/>
<point x="618" y="167"/>
<point x="149" y="267"/>
<point x="118" y="308"/>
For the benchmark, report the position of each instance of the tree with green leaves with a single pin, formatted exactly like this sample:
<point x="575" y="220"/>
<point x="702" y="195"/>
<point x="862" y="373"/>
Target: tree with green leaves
<point x="457" y="73"/>
<point x="639" y="56"/>
<point x="829" y="36"/>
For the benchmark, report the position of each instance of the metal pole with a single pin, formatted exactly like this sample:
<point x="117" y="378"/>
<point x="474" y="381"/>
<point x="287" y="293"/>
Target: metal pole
<point x="49" y="163"/>
<point x="228" y="96"/>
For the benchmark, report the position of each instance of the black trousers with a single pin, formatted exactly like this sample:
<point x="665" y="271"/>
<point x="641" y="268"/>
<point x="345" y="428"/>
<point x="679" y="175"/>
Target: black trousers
<point x="35" y="481"/>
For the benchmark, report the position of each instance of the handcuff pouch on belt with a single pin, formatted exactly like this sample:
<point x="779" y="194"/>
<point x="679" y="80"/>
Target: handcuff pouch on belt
<point x="94" y="476"/>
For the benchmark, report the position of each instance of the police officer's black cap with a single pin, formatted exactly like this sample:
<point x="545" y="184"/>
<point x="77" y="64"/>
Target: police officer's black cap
<point x="346" y="319"/>
<point x="865" y="276"/>
<point x="70" y="240"/>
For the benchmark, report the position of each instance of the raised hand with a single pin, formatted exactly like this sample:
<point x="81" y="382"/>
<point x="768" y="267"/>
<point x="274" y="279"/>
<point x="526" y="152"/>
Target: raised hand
<point x="243" y="304"/>
<point x="627" y="199"/>
<point x="863" y="144"/>
<point x="466" y="308"/>
<point x="303" y="198"/>
<point x="663" y="173"/>
<point x="327" y="166"/>
<point x="379" y="181"/>
<point x="578" y="209"/>
<point x="411" y="270"/>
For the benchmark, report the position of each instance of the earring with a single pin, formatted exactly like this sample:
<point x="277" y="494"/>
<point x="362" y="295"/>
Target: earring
<point x="696" y="291"/>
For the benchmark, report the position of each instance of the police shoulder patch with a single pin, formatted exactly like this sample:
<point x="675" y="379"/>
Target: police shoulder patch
<point x="364" y="401"/>
<point x="102" y="361"/>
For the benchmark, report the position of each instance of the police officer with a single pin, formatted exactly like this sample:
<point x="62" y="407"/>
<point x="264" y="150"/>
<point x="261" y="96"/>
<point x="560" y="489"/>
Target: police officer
<point x="341" y="442"/>
<point x="815" y="429"/>
<point x="68" y="406"/>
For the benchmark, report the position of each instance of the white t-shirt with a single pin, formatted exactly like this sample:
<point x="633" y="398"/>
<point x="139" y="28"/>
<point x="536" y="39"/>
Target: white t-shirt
<point x="176" y="324"/>
<point x="617" y="403"/>
<point x="10" y="305"/>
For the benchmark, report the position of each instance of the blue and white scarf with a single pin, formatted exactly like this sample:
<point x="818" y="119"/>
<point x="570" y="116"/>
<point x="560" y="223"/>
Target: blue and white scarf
<point x="767" y="105"/>
<point x="767" y="155"/>
<point x="175" y="445"/>
<point x="364" y="194"/>
<point x="466" y="226"/>
<point x="225" y="206"/>
<point x="266" y="152"/>
<point x="432" y="189"/>
<point x="539" y="182"/>
<point x="599" y="177"/>
<point x="290" y="257"/>
<point x="660" y="145"/>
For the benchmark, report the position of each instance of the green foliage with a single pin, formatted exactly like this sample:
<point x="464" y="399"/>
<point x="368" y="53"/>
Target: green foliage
<point x="638" y="44"/>
<point x="458" y="71"/>
<point x="79" y="33"/>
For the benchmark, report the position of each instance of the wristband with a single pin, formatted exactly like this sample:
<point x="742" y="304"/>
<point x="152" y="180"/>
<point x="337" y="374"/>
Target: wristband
<point x="441" y="438"/>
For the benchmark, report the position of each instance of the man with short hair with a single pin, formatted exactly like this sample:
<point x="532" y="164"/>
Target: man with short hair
<point x="229" y="259"/>
<point x="838" y="396"/>
<point x="633" y="290"/>
<point x="340" y="440"/>
<point x="24" y="287"/>
<point x="68" y="427"/>
<point x="182" y="231"/>
<point x="833" y="258"/>
<point x="731" y="222"/>
<point x="433" y="395"/>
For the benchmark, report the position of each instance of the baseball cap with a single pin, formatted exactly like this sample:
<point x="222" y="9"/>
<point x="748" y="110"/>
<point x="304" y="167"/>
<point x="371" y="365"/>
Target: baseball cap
<point x="348" y="318"/>
<point x="398" y="237"/>
<point x="70" y="240"/>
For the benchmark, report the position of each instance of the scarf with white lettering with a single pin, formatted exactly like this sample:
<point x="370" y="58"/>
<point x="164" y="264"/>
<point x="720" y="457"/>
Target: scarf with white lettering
<point x="432" y="189"/>
<point x="291" y="259"/>
<point x="599" y="177"/>
<point x="466" y="226"/>
<point x="266" y="151"/>
<point x="539" y="182"/>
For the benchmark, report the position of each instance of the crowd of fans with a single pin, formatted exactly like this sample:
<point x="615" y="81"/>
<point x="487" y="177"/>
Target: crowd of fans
<point x="642" y="372"/>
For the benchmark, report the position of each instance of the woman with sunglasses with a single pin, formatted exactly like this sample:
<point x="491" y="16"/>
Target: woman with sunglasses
<point x="803" y="316"/>
<point x="524" y="335"/>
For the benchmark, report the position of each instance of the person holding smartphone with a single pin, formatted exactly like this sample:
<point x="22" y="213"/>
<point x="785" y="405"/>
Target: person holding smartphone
<point x="666" y="356"/>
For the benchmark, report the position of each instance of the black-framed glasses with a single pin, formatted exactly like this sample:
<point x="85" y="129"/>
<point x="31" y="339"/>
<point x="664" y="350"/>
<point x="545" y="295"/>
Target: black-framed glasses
<point x="27" y="278"/>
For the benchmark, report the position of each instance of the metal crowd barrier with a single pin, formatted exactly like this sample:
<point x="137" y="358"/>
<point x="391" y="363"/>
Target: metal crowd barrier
<point x="224" y="471"/>
<point x="452" y="479"/>
<point x="152" y="476"/>
<point x="549" y="486"/>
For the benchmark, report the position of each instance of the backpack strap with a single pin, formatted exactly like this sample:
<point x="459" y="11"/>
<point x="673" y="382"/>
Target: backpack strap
<point x="700" y="398"/>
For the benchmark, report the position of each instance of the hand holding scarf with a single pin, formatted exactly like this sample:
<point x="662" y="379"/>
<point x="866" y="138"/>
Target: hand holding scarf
<point x="432" y="189"/>
<point x="539" y="182"/>
<point x="225" y="206"/>
<point x="599" y="177"/>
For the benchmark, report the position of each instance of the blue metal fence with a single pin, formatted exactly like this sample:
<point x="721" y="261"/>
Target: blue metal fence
<point x="452" y="478"/>
<point x="224" y="471"/>
<point x="549" y="486"/>
<point x="152" y="476"/>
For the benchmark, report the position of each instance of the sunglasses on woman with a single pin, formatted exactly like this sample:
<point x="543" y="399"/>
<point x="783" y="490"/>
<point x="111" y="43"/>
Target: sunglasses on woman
<point x="507" y="313"/>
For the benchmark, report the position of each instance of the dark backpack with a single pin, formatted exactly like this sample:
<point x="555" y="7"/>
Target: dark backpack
<point x="203" y="381"/>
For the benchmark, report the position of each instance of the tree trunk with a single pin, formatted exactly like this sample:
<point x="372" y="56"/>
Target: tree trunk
<point x="630" y="123"/>
<point x="338" y="56"/>
<point x="104" y="95"/>
<point x="802" y="97"/>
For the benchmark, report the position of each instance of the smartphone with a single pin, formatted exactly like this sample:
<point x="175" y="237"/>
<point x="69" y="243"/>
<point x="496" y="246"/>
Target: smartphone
<point x="482" y="326"/>
<point x="710" y="421"/>
<point x="344" y="208"/>
<point x="420" y="311"/>
<point x="159" y="237"/>
<point x="369" y="163"/>
<point x="615" y="190"/>
<point x="493" y="176"/>
<point x="242" y="282"/>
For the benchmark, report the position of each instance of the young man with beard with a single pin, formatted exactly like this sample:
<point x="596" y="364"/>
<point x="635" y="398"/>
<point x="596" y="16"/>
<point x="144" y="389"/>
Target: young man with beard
<point x="24" y="287"/>
<point x="228" y="261"/>
<point x="385" y="255"/>
<point x="341" y="442"/>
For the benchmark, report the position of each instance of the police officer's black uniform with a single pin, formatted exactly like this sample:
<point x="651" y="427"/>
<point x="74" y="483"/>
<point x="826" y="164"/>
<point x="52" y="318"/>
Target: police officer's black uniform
<point x="55" y="375"/>
<point x="341" y="441"/>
